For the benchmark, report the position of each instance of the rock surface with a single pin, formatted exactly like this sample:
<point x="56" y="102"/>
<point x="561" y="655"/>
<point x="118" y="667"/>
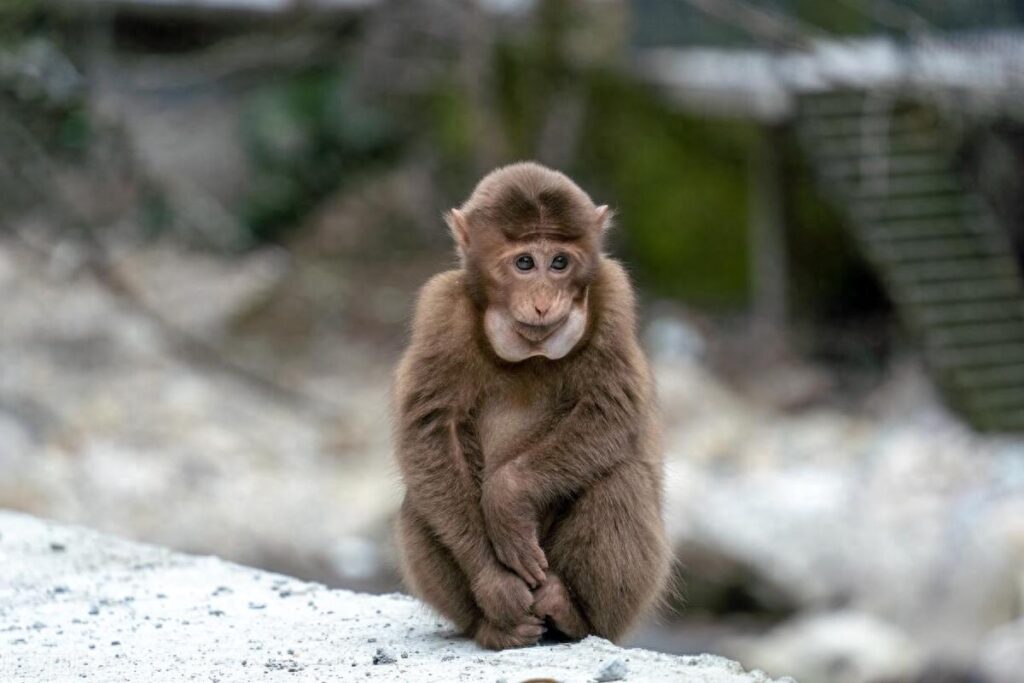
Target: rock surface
<point x="75" y="604"/>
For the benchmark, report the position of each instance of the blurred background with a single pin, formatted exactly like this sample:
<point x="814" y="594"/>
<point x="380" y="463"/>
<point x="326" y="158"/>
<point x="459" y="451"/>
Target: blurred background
<point x="214" y="215"/>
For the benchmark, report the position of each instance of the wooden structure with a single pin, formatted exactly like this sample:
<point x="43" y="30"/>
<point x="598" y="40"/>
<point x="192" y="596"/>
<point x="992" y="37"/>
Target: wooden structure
<point x="879" y="122"/>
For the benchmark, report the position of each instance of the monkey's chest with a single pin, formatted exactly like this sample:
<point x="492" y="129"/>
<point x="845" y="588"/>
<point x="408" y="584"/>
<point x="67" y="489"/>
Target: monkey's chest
<point x="509" y="422"/>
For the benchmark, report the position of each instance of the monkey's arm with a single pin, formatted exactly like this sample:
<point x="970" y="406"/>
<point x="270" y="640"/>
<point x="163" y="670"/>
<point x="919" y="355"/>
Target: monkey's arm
<point x="439" y="483"/>
<point x="431" y="438"/>
<point x="444" y="491"/>
<point x="600" y="430"/>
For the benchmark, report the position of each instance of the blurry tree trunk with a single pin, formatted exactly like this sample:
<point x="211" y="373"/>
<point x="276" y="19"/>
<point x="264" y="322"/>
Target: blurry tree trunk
<point x="562" y="101"/>
<point x="560" y="132"/>
<point x="477" y="78"/>
<point x="768" y="265"/>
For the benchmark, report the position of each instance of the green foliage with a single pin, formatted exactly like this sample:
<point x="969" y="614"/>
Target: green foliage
<point x="829" y="275"/>
<point x="449" y="123"/>
<point x="154" y="212"/>
<point x="446" y="127"/>
<point x="832" y="17"/>
<point x="44" y="116"/>
<point x="16" y="18"/>
<point x="679" y="185"/>
<point x="74" y="130"/>
<point x="523" y="84"/>
<point x="308" y="136"/>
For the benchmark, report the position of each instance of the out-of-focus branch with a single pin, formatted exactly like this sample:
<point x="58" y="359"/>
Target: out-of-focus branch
<point x="891" y="15"/>
<point x="761" y="24"/>
<point x="233" y="58"/>
<point x="560" y="133"/>
<point x="477" y="79"/>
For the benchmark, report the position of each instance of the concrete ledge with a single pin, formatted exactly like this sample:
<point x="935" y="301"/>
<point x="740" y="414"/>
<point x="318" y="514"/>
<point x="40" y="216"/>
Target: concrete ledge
<point x="75" y="604"/>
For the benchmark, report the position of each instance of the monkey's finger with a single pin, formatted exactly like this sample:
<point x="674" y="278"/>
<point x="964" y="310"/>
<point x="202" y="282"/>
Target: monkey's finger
<point x="529" y="630"/>
<point x="523" y="564"/>
<point x="535" y="580"/>
<point x="541" y="558"/>
<point x="535" y="571"/>
<point x="538" y="562"/>
<point x="515" y="565"/>
<point x="530" y="577"/>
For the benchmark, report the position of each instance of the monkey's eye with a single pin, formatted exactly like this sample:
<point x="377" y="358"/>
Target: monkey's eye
<point x="524" y="262"/>
<point x="560" y="262"/>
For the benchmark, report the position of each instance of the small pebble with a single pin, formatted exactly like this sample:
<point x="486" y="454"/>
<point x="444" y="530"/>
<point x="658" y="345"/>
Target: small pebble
<point x="614" y="670"/>
<point x="58" y="547"/>
<point x="383" y="657"/>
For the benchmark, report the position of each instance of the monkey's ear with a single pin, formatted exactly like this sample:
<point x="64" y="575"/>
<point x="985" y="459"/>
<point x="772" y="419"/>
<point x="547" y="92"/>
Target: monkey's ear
<point x="604" y="218"/>
<point x="456" y="221"/>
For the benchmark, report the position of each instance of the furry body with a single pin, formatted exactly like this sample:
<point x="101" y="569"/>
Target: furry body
<point x="533" y="486"/>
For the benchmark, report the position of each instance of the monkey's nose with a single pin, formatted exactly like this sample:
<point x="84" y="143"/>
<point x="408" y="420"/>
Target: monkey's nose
<point x="541" y="310"/>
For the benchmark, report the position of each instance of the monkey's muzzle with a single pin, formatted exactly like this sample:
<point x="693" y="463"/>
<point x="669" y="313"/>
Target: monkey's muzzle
<point x="537" y="333"/>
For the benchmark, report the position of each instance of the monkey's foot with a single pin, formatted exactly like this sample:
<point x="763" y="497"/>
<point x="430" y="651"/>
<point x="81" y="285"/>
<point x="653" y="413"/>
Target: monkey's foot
<point x="494" y="638"/>
<point x="552" y="601"/>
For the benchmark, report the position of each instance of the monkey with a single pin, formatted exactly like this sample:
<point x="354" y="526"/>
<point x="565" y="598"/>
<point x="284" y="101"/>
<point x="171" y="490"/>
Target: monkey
<point x="525" y="425"/>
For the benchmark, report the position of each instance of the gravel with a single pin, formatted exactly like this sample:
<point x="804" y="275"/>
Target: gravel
<point x="614" y="670"/>
<point x="156" y="623"/>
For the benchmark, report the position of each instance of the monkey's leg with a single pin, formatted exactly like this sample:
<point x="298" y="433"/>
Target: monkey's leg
<point x="610" y="551"/>
<point x="552" y="601"/>
<point x="432" y="574"/>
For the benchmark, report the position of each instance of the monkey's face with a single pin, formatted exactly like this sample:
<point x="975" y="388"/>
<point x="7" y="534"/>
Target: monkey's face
<point x="537" y="298"/>
<point x="529" y="240"/>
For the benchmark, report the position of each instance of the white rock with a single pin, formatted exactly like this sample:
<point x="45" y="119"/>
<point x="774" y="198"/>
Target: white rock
<point x="839" y="647"/>
<point x="614" y="670"/>
<point x="1001" y="659"/>
<point x="76" y="602"/>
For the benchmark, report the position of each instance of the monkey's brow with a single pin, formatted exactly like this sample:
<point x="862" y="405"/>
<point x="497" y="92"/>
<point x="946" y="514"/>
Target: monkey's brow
<point x="556" y="234"/>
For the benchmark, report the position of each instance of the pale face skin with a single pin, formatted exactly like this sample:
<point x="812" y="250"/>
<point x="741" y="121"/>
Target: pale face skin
<point x="545" y="311"/>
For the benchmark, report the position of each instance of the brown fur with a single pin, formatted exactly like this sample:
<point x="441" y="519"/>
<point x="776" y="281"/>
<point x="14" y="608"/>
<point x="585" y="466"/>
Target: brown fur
<point x="533" y="488"/>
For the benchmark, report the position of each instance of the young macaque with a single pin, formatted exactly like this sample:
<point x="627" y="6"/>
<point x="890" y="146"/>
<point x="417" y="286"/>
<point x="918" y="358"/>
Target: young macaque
<point x="526" y="427"/>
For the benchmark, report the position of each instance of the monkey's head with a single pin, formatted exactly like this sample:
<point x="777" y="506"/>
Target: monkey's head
<point x="530" y="243"/>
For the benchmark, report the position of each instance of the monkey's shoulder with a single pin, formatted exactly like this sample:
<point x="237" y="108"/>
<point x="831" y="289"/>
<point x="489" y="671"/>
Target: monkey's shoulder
<point x="614" y="283"/>
<point x="443" y="321"/>
<point x="614" y="307"/>
<point x="441" y="299"/>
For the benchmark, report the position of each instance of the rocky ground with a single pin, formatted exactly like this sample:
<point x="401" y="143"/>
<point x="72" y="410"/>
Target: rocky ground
<point x="850" y="546"/>
<point x="78" y="605"/>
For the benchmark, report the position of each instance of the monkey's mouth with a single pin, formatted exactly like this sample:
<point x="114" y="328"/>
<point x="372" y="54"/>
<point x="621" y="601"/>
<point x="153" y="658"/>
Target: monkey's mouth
<point x="537" y="333"/>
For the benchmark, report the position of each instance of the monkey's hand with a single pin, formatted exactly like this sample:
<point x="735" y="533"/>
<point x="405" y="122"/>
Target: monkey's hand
<point x="512" y="526"/>
<point x="503" y="597"/>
